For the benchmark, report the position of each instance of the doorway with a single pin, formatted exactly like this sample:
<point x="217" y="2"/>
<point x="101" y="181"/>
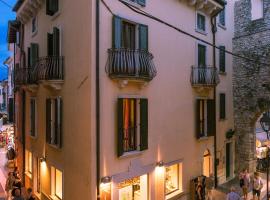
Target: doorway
<point x="229" y="160"/>
<point x="207" y="170"/>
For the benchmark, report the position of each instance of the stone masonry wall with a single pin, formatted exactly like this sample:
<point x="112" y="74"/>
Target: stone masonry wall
<point x="251" y="81"/>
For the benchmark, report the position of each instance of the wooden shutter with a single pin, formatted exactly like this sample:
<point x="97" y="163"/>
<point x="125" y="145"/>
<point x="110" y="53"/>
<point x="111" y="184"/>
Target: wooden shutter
<point x="34" y="54"/>
<point x="48" y="120"/>
<point x="120" y="134"/>
<point x="50" y="44"/>
<point x="222" y="59"/>
<point x="56" y="41"/>
<point x="117" y="32"/>
<point x="211" y="118"/>
<point x="54" y="6"/>
<point x="222" y="106"/>
<point x="197" y="118"/>
<point x="33" y="116"/>
<point x="141" y="2"/>
<point x="143" y="37"/>
<point x="143" y="124"/>
<point x="58" y="121"/>
<point x="201" y="55"/>
<point x="51" y="7"/>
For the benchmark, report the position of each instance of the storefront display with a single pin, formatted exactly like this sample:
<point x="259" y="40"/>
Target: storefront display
<point x="134" y="189"/>
<point x="172" y="178"/>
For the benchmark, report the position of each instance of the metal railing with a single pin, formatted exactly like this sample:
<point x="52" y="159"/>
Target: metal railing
<point x="205" y="76"/>
<point x="24" y="76"/>
<point x="130" y="64"/>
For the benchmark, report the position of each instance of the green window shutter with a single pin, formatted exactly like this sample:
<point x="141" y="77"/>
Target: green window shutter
<point x="49" y="44"/>
<point x="143" y="37"/>
<point x="201" y="55"/>
<point x="48" y="120"/>
<point x="56" y="41"/>
<point x="117" y="32"/>
<point x="211" y="118"/>
<point x="222" y="106"/>
<point x="197" y="119"/>
<point x="222" y="58"/>
<point x="33" y="116"/>
<point x="143" y="124"/>
<point x="34" y="54"/>
<point x="141" y="2"/>
<point x="120" y="133"/>
<point x="58" y="121"/>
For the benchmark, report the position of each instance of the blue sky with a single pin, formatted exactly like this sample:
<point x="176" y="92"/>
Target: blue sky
<point x="5" y="15"/>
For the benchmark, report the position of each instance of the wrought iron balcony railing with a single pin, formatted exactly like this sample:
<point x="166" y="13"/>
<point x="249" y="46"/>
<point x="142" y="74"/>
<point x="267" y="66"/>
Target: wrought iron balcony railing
<point x="130" y="64"/>
<point x="204" y="76"/>
<point x="24" y="76"/>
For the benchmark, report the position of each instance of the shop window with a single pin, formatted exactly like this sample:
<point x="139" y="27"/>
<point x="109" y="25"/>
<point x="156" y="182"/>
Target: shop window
<point x="132" y="125"/>
<point x="205" y="118"/>
<point x="256" y="9"/>
<point x="54" y="107"/>
<point x="135" y="188"/>
<point x="28" y="163"/>
<point x="52" y="7"/>
<point x="33" y="116"/>
<point x="173" y="180"/>
<point x="56" y="183"/>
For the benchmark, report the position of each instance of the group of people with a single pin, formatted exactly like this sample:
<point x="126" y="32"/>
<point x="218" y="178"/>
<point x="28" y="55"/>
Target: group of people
<point x="204" y="188"/>
<point x="246" y="183"/>
<point x="14" y="187"/>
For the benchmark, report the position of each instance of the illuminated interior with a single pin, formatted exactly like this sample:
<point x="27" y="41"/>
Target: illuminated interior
<point x="134" y="189"/>
<point x="28" y="163"/>
<point x="173" y="179"/>
<point x="207" y="170"/>
<point x="56" y="183"/>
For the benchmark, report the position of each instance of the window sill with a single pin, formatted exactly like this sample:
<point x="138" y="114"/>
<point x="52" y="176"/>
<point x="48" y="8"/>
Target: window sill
<point x="175" y="195"/>
<point x="28" y="174"/>
<point x="223" y="73"/>
<point x="201" y="31"/>
<point x="55" y="15"/>
<point x="131" y="154"/>
<point x="53" y="197"/>
<point x="222" y="26"/>
<point x="54" y="146"/>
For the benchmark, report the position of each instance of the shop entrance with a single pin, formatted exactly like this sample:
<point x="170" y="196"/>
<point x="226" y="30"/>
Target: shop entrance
<point x="229" y="160"/>
<point x="207" y="163"/>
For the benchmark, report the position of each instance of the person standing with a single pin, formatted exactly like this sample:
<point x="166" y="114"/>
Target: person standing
<point x="209" y="184"/>
<point x="30" y="195"/>
<point x="9" y="184"/>
<point x="17" y="195"/>
<point x="244" y="182"/>
<point x="233" y="195"/>
<point x="257" y="185"/>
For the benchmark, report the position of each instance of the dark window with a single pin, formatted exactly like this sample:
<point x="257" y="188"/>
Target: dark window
<point x="54" y="109"/>
<point x="33" y="54"/>
<point x="128" y="35"/>
<point x="33" y="117"/>
<point x="205" y="118"/>
<point x="222" y="17"/>
<point x="200" y="22"/>
<point x="52" y="7"/>
<point x="34" y="24"/>
<point x="222" y="106"/>
<point x="53" y="42"/>
<point x="140" y="2"/>
<point x="201" y="55"/>
<point x="222" y="59"/>
<point x="132" y="134"/>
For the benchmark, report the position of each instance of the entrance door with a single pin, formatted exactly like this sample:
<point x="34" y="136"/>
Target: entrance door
<point x="207" y="163"/>
<point x="228" y="159"/>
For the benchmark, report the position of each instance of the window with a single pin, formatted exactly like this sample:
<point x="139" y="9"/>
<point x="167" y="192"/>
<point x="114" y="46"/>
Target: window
<point x="33" y="54"/>
<point x="134" y="188"/>
<point x="125" y="34"/>
<point x="140" y="2"/>
<point x="222" y="106"/>
<point x="54" y="107"/>
<point x="34" y="25"/>
<point x="53" y="42"/>
<point x="38" y="181"/>
<point x="28" y="163"/>
<point x="56" y="183"/>
<point x="132" y="125"/>
<point x="222" y="59"/>
<point x="205" y="118"/>
<point x="256" y="9"/>
<point x="52" y="7"/>
<point x="201" y="22"/>
<point x="222" y="17"/>
<point x="33" y="115"/>
<point x="173" y="179"/>
<point x="201" y="55"/>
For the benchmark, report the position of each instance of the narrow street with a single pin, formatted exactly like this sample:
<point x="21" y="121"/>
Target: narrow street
<point x="3" y="172"/>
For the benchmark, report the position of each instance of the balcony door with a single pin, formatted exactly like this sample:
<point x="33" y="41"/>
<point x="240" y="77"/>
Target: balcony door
<point x="128" y="35"/>
<point x="202" y="63"/>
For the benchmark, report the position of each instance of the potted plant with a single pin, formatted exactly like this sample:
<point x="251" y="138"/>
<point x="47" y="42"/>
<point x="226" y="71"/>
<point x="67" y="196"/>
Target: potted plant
<point x="230" y="133"/>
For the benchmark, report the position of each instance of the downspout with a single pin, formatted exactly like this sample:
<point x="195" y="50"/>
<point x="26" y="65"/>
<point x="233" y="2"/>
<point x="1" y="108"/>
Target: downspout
<point x="97" y="104"/>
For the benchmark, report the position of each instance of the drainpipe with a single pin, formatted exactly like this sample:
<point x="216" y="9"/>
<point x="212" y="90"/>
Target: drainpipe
<point x="97" y="104"/>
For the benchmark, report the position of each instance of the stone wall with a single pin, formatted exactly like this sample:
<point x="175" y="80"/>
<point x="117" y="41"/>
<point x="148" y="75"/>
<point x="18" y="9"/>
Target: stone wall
<point x="251" y="80"/>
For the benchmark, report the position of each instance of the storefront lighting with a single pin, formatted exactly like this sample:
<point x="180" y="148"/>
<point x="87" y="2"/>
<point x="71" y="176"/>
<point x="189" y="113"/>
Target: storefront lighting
<point x="43" y="159"/>
<point x="106" y="179"/>
<point x="160" y="164"/>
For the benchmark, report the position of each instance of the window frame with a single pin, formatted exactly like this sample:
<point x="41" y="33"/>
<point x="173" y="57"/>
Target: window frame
<point x="29" y="163"/>
<point x="60" y="41"/>
<point x="198" y="43"/>
<point x="219" y="60"/>
<point x="34" y="31"/>
<point x="35" y="120"/>
<point x="135" y="3"/>
<point x="222" y="117"/>
<point x="197" y="28"/>
<point x="51" y="13"/>
<point x="54" y="183"/>
<point x="220" y="23"/>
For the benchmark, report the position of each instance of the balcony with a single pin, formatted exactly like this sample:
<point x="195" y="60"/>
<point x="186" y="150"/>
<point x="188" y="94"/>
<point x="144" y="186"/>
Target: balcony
<point x="211" y="7"/>
<point x="50" y="71"/>
<point x="25" y="78"/>
<point x="130" y="65"/>
<point x="203" y="79"/>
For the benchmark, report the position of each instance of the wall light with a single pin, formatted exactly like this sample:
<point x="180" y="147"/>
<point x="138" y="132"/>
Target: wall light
<point x="43" y="159"/>
<point x="106" y="179"/>
<point x="160" y="164"/>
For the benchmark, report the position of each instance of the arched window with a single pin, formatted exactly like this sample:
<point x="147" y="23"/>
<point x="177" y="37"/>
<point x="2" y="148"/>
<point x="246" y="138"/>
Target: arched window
<point x="207" y="164"/>
<point x="256" y="9"/>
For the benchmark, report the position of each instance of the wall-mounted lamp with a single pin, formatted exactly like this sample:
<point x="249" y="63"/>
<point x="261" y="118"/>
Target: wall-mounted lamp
<point x="106" y="179"/>
<point x="43" y="159"/>
<point x="160" y="163"/>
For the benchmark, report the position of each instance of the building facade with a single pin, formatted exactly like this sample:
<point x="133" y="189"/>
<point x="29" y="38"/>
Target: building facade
<point x="156" y="118"/>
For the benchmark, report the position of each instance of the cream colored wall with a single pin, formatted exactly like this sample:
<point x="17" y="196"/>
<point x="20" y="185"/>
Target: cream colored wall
<point x="74" y="158"/>
<point x="171" y="99"/>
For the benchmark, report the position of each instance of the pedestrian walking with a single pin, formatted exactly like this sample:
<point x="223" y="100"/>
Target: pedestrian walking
<point x="9" y="184"/>
<point x="209" y="184"/>
<point x="233" y="195"/>
<point x="17" y="195"/>
<point x="257" y="186"/>
<point x="30" y="195"/>
<point x="244" y="182"/>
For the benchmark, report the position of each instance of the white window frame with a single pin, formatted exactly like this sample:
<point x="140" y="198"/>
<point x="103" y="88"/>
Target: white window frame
<point x="33" y="136"/>
<point x="197" y="29"/>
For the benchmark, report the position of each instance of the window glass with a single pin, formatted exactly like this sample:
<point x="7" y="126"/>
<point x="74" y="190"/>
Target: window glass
<point x="200" y="22"/>
<point x="128" y="35"/>
<point x="28" y="162"/>
<point x="201" y="55"/>
<point x="58" y="183"/>
<point x="172" y="179"/>
<point x="222" y="17"/>
<point x="135" y="188"/>
<point x="34" y="24"/>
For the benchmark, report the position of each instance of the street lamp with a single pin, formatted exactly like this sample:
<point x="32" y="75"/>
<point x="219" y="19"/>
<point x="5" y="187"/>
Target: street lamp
<point x="265" y="124"/>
